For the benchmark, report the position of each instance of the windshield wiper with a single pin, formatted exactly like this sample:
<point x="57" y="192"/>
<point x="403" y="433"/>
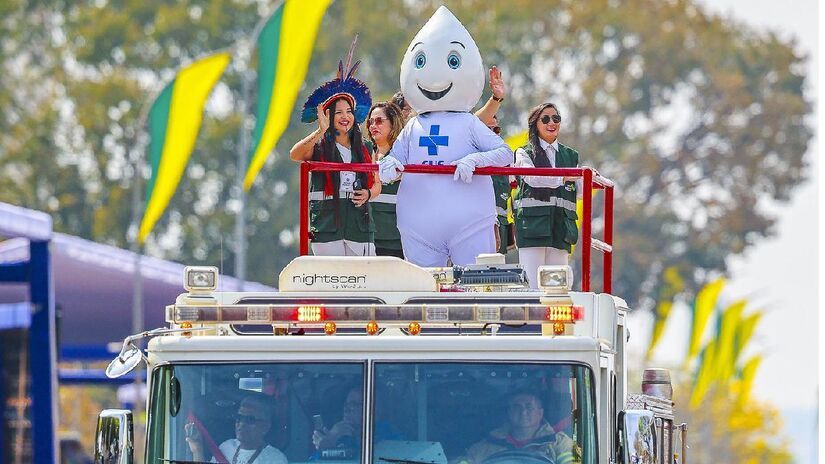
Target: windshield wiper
<point x="403" y="461"/>
<point x="182" y="461"/>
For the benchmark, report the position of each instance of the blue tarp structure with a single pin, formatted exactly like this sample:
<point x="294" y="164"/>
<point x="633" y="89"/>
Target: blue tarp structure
<point x="72" y="297"/>
<point x="28" y="380"/>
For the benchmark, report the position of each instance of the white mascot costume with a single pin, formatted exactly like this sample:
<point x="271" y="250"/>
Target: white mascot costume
<point x="439" y="216"/>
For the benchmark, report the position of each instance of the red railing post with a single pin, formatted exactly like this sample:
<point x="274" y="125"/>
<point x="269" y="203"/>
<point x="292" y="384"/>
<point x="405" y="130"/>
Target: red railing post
<point x="587" y="212"/>
<point x="303" y="230"/>
<point x="608" y="238"/>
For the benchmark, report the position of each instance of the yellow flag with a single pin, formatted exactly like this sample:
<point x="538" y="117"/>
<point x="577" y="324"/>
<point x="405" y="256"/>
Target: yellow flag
<point x="744" y="333"/>
<point x="174" y="122"/>
<point x="704" y="375"/>
<point x="702" y="310"/>
<point x="517" y="141"/>
<point x="725" y="346"/>
<point x="660" y="314"/>
<point x="747" y="377"/>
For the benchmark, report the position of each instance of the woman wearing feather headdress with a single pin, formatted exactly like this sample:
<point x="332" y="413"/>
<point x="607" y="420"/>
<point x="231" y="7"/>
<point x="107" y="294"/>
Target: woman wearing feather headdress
<point x="339" y="212"/>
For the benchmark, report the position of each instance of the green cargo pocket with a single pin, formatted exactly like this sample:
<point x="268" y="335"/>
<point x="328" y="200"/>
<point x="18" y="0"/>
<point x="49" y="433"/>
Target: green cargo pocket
<point x="534" y="223"/>
<point x="571" y="232"/>
<point x="322" y="217"/>
<point x="363" y="217"/>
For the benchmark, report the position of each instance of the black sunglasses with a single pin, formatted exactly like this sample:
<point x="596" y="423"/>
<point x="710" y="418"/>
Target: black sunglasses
<point x="547" y="118"/>
<point x="251" y="420"/>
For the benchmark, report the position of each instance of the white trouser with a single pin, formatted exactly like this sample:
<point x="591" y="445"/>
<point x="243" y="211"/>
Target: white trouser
<point x="460" y="250"/>
<point x="533" y="257"/>
<point x="343" y="248"/>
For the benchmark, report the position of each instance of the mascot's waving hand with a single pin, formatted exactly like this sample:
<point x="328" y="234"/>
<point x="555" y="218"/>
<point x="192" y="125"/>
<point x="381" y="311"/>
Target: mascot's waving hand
<point x="440" y="217"/>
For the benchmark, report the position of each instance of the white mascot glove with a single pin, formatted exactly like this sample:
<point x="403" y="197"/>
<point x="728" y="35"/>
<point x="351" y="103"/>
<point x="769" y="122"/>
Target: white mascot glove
<point x="389" y="169"/>
<point x="464" y="169"/>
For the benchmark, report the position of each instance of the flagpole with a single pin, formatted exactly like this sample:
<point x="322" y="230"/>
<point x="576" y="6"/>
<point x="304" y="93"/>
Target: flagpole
<point x="243" y="151"/>
<point x="137" y="253"/>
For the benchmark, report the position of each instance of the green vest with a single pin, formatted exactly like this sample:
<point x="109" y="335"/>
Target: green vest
<point x="546" y="217"/>
<point x="335" y="217"/>
<point x="386" y="223"/>
<point x="501" y="187"/>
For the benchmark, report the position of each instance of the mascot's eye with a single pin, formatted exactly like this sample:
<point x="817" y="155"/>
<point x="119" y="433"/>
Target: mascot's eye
<point x="454" y="61"/>
<point x="420" y="60"/>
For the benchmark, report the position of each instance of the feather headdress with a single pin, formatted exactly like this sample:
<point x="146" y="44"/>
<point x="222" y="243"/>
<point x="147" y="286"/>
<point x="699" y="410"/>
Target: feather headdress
<point x="344" y="85"/>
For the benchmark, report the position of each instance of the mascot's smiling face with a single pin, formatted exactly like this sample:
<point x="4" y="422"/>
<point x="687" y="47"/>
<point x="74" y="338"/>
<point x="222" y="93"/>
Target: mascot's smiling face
<point x="442" y="69"/>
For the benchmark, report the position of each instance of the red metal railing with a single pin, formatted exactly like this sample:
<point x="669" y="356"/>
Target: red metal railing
<point x="590" y="182"/>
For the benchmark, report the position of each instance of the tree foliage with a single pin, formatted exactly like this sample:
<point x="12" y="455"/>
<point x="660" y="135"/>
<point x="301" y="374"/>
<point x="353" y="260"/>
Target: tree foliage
<point x="726" y="430"/>
<point x="699" y="120"/>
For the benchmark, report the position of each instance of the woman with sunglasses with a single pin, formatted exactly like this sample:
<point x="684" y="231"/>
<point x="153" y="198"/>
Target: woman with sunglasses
<point x="384" y="122"/>
<point x="545" y="206"/>
<point x="340" y="219"/>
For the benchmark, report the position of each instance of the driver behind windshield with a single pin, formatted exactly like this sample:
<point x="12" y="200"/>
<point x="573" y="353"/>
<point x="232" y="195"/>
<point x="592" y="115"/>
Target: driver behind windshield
<point x="252" y="422"/>
<point x="525" y="431"/>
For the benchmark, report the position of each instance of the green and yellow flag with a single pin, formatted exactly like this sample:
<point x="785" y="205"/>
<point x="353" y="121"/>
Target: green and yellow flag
<point x="744" y="332"/>
<point x="702" y="310"/>
<point x="704" y="374"/>
<point x="746" y="378"/>
<point x="174" y="121"/>
<point x="284" y="50"/>
<point x="725" y="343"/>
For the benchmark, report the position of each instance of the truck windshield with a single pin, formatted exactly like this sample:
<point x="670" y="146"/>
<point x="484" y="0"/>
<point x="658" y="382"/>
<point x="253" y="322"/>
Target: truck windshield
<point x="493" y="413"/>
<point x="270" y="413"/>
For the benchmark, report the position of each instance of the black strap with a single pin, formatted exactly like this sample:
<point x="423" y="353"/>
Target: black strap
<point x="252" y="459"/>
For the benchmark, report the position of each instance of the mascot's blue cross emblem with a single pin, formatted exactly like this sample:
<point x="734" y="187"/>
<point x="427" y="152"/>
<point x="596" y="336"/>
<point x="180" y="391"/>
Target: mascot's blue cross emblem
<point x="433" y="141"/>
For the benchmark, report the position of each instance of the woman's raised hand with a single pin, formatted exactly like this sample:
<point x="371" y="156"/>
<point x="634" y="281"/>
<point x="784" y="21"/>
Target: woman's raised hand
<point x="323" y="118"/>
<point x="497" y="83"/>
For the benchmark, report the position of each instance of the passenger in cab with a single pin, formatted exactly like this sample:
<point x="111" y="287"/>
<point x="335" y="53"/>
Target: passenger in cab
<point x="384" y="123"/>
<point x="346" y="433"/>
<point x="545" y="206"/>
<point x="341" y="222"/>
<point x="344" y="438"/>
<point x="526" y="431"/>
<point x="252" y="422"/>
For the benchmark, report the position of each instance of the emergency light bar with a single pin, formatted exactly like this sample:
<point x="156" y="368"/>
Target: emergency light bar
<point x="432" y="315"/>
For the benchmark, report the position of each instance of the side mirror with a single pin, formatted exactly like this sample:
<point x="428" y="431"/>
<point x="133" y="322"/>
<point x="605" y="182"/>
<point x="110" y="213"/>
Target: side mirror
<point x="114" y="437"/>
<point x="637" y="437"/>
<point x="129" y="357"/>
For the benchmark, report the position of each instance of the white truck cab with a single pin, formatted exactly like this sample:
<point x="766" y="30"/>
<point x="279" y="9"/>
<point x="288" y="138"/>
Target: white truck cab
<point x="375" y="360"/>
